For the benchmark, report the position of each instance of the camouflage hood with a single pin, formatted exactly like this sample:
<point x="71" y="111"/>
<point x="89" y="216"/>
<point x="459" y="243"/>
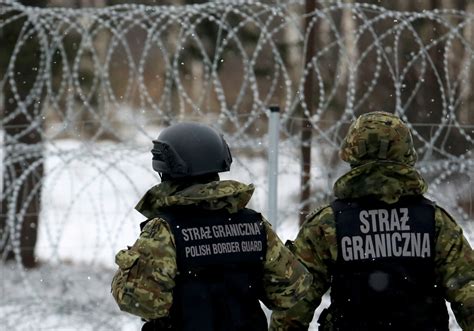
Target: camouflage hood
<point x="378" y="136"/>
<point x="385" y="180"/>
<point x="227" y="194"/>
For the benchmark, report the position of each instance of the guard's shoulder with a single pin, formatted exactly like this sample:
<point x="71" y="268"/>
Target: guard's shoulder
<point x="444" y="219"/>
<point x="442" y="211"/>
<point x="154" y="226"/>
<point x="318" y="213"/>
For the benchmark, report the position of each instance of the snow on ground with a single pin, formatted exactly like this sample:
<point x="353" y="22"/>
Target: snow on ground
<point x="87" y="216"/>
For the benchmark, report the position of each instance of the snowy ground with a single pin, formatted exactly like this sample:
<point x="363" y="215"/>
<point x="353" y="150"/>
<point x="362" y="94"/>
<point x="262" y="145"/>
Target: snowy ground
<point x="87" y="216"/>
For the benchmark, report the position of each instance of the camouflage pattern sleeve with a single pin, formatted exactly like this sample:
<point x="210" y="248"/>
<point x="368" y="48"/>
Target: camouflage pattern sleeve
<point x="285" y="279"/>
<point x="455" y="268"/>
<point x="315" y="246"/>
<point x="144" y="281"/>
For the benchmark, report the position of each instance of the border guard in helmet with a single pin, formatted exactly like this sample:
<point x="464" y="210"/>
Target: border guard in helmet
<point x="390" y="256"/>
<point x="203" y="261"/>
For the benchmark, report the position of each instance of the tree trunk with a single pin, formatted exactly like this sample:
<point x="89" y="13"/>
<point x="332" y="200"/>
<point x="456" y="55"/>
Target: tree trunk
<point x="306" y="126"/>
<point x="23" y="143"/>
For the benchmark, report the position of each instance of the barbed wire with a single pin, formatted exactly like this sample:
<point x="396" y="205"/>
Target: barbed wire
<point x="79" y="116"/>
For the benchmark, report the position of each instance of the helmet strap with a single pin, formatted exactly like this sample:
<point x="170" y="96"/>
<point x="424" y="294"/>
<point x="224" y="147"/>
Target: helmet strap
<point x="383" y="149"/>
<point x="361" y="149"/>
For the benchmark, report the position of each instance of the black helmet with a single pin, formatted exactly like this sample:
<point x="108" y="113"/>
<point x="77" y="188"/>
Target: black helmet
<point x="190" y="149"/>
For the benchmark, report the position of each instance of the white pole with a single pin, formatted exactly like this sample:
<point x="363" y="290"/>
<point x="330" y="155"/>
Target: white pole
<point x="273" y="138"/>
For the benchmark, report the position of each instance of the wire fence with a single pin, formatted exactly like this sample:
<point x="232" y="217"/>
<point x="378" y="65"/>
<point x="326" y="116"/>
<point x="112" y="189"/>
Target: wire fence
<point x="86" y="90"/>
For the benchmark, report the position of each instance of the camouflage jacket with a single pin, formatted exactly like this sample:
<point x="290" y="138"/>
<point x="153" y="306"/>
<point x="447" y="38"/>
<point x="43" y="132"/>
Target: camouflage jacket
<point x="316" y="244"/>
<point x="143" y="284"/>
